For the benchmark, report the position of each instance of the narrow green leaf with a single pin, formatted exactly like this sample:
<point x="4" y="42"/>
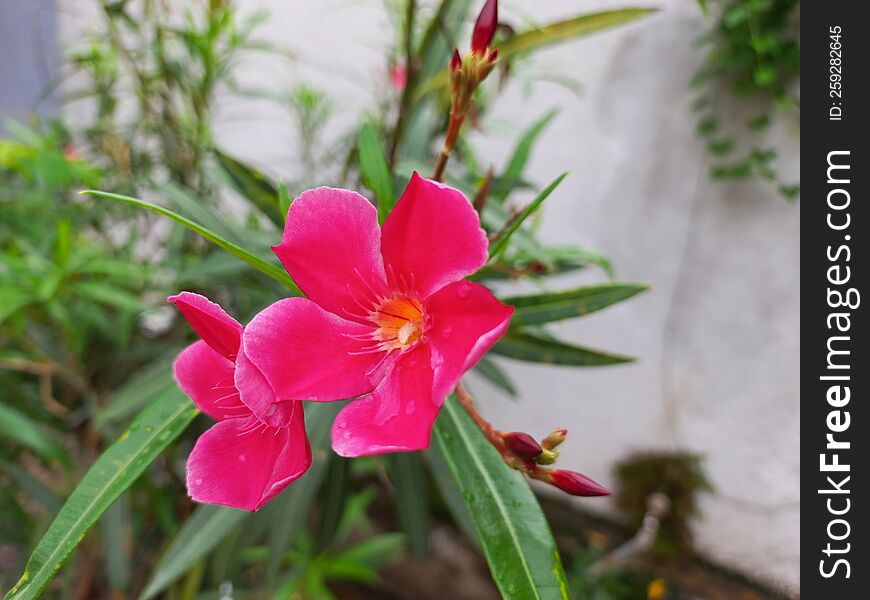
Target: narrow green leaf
<point x="517" y="163"/>
<point x="115" y="531"/>
<point x="252" y="185"/>
<point x="109" y="295"/>
<point x="556" y="306"/>
<point x="535" y="348"/>
<point x="405" y="471"/>
<point x="115" y="471"/>
<point x="509" y="522"/>
<point x="336" y="494"/>
<point x="501" y="243"/>
<point x="199" y="535"/>
<point x="375" y="172"/>
<point x="32" y="486"/>
<point x="284" y="199"/>
<point x="451" y="494"/>
<point x="541" y="37"/>
<point x="272" y="271"/>
<point x="569" y="29"/>
<point x="17" y="426"/>
<point x="489" y="370"/>
<point x="291" y="507"/>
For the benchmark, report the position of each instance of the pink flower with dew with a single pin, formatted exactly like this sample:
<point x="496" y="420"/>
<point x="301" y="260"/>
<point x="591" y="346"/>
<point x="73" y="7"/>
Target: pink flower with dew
<point x="388" y="316"/>
<point x="242" y="461"/>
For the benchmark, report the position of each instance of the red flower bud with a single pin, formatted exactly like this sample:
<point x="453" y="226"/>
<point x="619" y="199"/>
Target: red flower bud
<point x="522" y="444"/>
<point x="576" y="484"/>
<point x="455" y="61"/>
<point x="484" y="27"/>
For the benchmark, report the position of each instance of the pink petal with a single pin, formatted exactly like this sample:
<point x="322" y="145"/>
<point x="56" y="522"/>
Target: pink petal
<point x="243" y="463"/>
<point x="207" y="377"/>
<point x="432" y="238"/>
<point x="331" y="247"/>
<point x="306" y="353"/>
<point x="216" y="327"/>
<point x="258" y="396"/>
<point x="465" y="320"/>
<point x="396" y="417"/>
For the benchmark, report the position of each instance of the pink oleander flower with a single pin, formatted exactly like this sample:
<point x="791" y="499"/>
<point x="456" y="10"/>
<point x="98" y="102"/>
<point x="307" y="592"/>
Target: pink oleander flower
<point x="399" y="77"/>
<point x="241" y="461"/>
<point x="388" y="316"/>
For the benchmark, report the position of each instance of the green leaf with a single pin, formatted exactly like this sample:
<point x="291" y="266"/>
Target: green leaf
<point x="114" y="532"/>
<point x="493" y="373"/>
<point x="17" y="426"/>
<point x="556" y="306"/>
<point x="199" y="535"/>
<point x="272" y="271"/>
<point x="562" y="31"/>
<point x="509" y="522"/>
<point x="531" y="347"/>
<point x="115" y="471"/>
<point x="253" y="186"/>
<point x="109" y="295"/>
<point x="375" y="172"/>
<point x="501" y="243"/>
<point x="517" y="163"/>
<point x="284" y="199"/>
<point x="411" y="497"/>
<point x="291" y="507"/>
<point x="547" y="35"/>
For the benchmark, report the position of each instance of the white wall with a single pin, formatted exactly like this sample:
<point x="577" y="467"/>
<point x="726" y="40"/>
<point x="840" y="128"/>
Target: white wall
<point x="717" y="336"/>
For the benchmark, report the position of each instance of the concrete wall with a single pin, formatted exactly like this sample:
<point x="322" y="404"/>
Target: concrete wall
<point x="717" y="336"/>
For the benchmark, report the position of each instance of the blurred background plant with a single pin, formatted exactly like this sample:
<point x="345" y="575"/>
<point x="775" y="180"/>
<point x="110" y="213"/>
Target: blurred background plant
<point x="748" y="80"/>
<point x="87" y="343"/>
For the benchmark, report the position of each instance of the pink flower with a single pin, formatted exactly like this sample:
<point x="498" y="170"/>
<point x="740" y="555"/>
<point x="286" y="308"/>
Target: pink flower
<point x="241" y="461"/>
<point x="399" y="77"/>
<point x="388" y="317"/>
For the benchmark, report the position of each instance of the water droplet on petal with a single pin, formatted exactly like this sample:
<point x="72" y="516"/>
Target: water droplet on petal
<point x="197" y="481"/>
<point x="242" y="458"/>
<point x="446" y="331"/>
<point x="346" y="434"/>
<point x="271" y="410"/>
<point x="463" y="290"/>
<point x="409" y="408"/>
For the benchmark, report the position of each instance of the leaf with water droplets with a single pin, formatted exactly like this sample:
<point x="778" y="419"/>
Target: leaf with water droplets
<point x="115" y="471"/>
<point x="506" y="516"/>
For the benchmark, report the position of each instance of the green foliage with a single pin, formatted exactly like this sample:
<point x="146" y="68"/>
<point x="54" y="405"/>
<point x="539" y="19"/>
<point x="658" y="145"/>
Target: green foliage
<point x="754" y="53"/>
<point x="678" y="475"/>
<point x="510" y="525"/>
<point x="110" y="476"/>
<point x="78" y="283"/>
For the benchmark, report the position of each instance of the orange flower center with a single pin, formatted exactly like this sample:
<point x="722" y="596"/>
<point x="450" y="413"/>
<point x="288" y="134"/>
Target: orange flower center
<point x="400" y="322"/>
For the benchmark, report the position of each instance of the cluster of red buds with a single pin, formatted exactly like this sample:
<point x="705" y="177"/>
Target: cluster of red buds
<point x="466" y="74"/>
<point x="523" y="453"/>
